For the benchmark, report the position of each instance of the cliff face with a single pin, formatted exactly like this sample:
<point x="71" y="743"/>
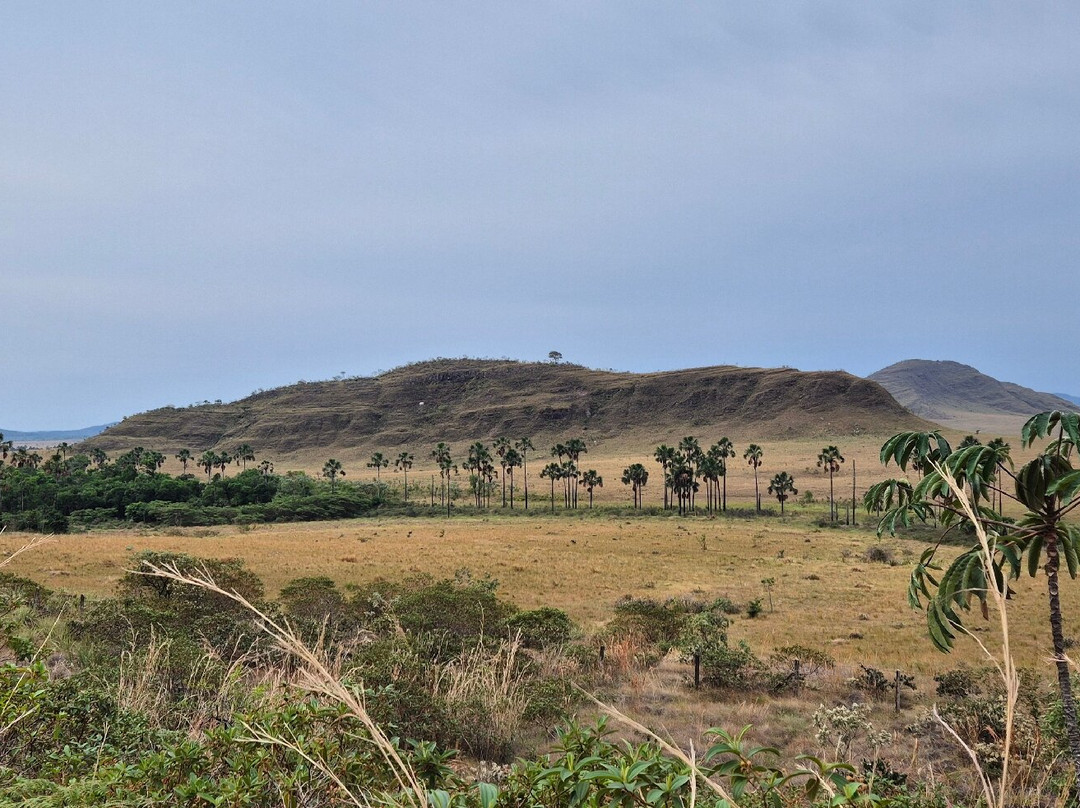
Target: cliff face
<point x="466" y="400"/>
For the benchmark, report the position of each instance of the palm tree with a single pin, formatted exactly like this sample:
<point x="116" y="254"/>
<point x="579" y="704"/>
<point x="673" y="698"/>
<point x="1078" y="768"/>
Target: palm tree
<point x="266" y="468"/>
<point x="441" y="455"/>
<point x="512" y="459"/>
<point x="223" y="461"/>
<point x="636" y="476"/>
<point x="830" y="460"/>
<point x="782" y="485"/>
<point x="590" y="479"/>
<point x="665" y="456"/>
<point x="63" y="448"/>
<point x="99" y="457"/>
<point x="752" y="456"/>
<point x="151" y="461"/>
<point x="1002" y="451"/>
<point x="378" y="462"/>
<point x="575" y="448"/>
<point x="331" y="470"/>
<point x="1047" y="488"/>
<point x="404" y="462"/>
<point x="243" y="454"/>
<point x="724" y="449"/>
<point x="184" y="455"/>
<point x="501" y="447"/>
<point x="525" y="446"/>
<point x="476" y="462"/>
<point x="207" y="461"/>
<point x="553" y="471"/>
<point x="691" y="452"/>
<point x="710" y="470"/>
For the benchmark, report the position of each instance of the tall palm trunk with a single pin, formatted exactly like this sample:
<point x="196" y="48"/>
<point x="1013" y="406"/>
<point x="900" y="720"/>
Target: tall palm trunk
<point x="1068" y="702"/>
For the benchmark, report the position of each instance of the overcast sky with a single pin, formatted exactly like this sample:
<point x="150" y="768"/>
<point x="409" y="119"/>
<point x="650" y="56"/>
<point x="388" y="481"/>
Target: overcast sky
<point x="202" y="199"/>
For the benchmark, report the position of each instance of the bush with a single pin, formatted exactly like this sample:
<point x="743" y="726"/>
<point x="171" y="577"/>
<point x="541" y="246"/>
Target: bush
<point x="542" y="628"/>
<point x="705" y="635"/>
<point x="456" y="614"/>
<point x="880" y="555"/>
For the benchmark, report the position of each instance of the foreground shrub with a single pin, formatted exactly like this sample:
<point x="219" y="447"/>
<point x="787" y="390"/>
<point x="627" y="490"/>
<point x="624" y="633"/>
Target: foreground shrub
<point x="542" y="627"/>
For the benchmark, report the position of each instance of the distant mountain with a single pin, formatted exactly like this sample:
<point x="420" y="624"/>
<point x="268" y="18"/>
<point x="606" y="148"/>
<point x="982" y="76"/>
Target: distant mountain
<point x="960" y="397"/>
<point x="473" y="399"/>
<point x="54" y="436"/>
<point x="1067" y="397"/>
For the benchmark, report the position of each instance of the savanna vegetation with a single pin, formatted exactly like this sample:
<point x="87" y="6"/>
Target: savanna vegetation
<point x="192" y="682"/>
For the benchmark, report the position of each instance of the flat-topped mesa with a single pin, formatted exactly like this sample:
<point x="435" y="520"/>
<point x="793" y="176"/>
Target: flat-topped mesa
<point x="479" y="399"/>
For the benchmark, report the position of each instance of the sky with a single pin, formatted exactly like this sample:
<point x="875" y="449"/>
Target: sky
<point x="201" y="199"/>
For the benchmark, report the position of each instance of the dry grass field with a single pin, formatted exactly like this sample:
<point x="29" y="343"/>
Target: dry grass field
<point x="826" y="593"/>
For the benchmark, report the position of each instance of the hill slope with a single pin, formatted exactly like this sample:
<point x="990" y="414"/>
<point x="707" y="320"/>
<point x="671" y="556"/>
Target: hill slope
<point x="961" y="397"/>
<point x="466" y="400"/>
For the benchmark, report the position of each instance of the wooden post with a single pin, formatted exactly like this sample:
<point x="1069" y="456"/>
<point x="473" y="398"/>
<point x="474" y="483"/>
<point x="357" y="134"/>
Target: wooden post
<point x="798" y="675"/>
<point x="697" y="671"/>
<point x="853" y="500"/>
<point x="82" y="604"/>
<point x="896" y="687"/>
<point x="601" y="654"/>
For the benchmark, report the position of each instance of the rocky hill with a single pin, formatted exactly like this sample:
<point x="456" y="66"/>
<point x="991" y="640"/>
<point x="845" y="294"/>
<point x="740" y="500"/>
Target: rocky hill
<point x="465" y="400"/>
<point x="961" y="397"/>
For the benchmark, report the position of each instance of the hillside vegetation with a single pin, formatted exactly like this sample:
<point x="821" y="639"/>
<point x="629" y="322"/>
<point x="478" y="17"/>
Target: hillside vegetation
<point x="960" y="397"/>
<point x="472" y="399"/>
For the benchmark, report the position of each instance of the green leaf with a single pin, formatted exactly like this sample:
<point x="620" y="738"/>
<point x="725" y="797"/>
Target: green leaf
<point x="1034" y="552"/>
<point x="489" y="795"/>
<point x="439" y="798"/>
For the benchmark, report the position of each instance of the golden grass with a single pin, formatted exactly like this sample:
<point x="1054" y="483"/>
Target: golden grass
<point x="825" y="593"/>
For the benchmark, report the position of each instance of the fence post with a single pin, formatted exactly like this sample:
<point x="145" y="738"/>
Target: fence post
<point x="697" y="671"/>
<point x="896" y="687"/>
<point x="601" y="654"/>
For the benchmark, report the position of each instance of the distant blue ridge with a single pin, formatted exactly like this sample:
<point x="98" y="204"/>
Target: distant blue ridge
<point x="53" y="434"/>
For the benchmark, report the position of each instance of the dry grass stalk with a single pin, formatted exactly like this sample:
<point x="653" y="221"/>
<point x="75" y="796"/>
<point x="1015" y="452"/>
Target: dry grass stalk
<point x="314" y="675"/>
<point x="140" y="686"/>
<point x="37" y="541"/>
<point x="493" y="680"/>
<point x="1005" y="666"/>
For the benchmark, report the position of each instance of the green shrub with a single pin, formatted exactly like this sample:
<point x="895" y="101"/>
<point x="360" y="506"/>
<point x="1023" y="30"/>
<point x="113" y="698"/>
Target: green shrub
<point x="456" y="614"/>
<point x="542" y="627"/>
